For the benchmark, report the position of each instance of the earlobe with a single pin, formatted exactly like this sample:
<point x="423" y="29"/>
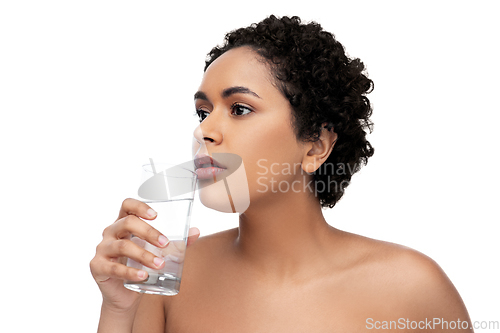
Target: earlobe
<point x="310" y="167"/>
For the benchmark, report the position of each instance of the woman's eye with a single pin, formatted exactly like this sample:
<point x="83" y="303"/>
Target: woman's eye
<point x="202" y="114"/>
<point x="240" y="110"/>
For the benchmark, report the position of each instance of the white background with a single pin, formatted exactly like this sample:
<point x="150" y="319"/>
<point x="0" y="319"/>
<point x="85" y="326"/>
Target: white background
<point x="89" y="90"/>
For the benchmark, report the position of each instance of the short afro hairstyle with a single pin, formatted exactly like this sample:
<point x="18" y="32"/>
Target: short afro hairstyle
<point x="323" y="85"/>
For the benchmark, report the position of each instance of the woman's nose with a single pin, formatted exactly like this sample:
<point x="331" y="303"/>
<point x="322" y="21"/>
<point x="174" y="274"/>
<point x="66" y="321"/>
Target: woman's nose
<point x="209" y="131"/>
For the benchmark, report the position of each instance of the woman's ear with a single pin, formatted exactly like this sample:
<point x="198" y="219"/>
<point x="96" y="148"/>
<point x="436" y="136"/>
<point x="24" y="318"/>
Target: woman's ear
<point x="317" y="152"/>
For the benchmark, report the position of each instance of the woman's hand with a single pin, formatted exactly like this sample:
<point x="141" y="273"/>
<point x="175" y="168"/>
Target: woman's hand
<point x="109" y="268"/>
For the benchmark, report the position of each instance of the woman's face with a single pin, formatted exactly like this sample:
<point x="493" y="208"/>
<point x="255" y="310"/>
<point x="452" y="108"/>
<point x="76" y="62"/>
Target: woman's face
<point x="245" y="114"/>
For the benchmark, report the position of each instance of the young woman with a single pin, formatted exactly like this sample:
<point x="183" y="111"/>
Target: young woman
<point x="284" y="97"/>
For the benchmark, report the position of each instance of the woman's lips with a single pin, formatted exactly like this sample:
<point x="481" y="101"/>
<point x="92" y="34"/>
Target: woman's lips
<point x="209" y="172"/>
<point x="207" y="167"/>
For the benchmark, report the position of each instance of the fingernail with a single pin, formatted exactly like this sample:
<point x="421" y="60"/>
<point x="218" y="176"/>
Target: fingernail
<point x="142" y="274"/>
<point x="162" y="240"/>
<point x="151" y="213"/>
<point x="193" y="231"/>
<point x="158" y="261"/>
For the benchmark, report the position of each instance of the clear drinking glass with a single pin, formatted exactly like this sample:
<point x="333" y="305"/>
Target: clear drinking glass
<point x="169" y="190"/>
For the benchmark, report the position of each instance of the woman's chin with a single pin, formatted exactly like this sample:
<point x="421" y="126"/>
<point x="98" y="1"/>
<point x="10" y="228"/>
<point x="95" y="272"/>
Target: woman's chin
<point x="225" y="196"/>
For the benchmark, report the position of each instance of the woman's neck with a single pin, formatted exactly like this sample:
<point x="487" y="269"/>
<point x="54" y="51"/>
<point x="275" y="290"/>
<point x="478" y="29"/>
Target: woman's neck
<point x="285" y="236"/>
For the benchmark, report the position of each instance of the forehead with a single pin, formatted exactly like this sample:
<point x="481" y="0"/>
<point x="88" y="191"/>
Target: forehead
<point x="237" y="67"/>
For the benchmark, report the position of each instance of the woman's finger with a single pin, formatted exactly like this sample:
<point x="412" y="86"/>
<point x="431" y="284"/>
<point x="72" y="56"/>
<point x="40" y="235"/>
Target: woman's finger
<point x="103" y="270"/>
<point x="133" y="249"/>
<point x="194" y="234"/>
<point x="137" y="208"/>
<point x="132" y="225"/>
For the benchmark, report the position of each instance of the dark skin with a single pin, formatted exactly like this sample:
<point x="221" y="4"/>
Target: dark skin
<point x="284" y="269"/>
<point x="365" y="279"/>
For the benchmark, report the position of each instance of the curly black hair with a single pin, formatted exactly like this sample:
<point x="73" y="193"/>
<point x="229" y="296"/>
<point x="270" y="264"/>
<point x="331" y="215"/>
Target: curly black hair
<point x="322" y="84"/>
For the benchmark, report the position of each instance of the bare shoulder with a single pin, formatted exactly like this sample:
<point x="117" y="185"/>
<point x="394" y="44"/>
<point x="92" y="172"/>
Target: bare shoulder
<point x="395" y="260"/>
<point x="415" y="284"/>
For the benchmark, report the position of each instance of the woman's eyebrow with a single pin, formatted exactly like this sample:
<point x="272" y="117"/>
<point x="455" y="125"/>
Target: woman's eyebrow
<point x="227" y="92"/>
<point x="200" y="95"/>
<point x="237" y="90"/>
